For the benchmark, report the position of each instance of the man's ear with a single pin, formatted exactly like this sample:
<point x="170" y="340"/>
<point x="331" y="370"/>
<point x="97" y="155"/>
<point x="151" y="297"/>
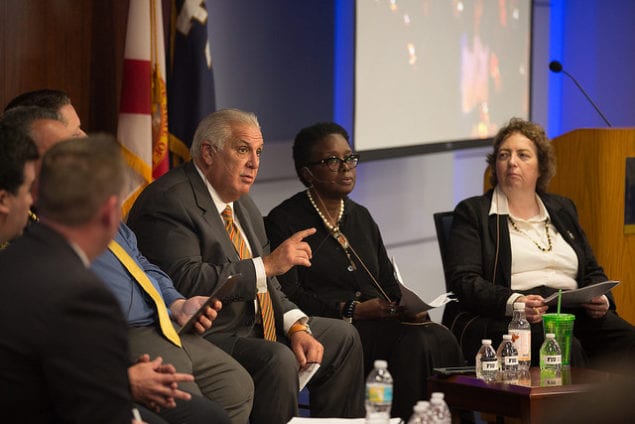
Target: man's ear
<point x="208" y="153"/>
<point x="110" y="212"/>
<point x="4" y="201"/>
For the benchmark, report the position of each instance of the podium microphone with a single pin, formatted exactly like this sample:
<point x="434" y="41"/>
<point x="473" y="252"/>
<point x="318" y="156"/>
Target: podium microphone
<point x="556" y="67"/>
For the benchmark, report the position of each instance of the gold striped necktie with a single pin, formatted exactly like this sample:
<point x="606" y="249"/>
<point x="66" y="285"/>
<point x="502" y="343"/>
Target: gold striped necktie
<point x="264" y="299"/>
<point x="142" y="279"/>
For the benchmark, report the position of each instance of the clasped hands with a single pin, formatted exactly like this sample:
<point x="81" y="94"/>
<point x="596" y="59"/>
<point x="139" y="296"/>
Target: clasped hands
<point x="535" y="307"/>
<point x="155" y="384"/>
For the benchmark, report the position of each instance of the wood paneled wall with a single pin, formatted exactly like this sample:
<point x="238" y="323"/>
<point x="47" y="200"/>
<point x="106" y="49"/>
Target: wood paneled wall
<point x="73" y="45"/>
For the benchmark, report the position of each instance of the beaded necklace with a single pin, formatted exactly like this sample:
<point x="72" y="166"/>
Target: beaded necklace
<point x="334" y="230"/>
<point x="544" y="249"/>
<point x="328" y="224"/>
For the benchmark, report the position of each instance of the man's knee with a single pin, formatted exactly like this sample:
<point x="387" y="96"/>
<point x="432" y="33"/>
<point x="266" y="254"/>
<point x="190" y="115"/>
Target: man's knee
<point x="282" y="362"/>
<point x="336" y="331"/>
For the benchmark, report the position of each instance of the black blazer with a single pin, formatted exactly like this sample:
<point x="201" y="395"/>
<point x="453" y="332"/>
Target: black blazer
<point x="63" y="339"/>
<point x="472" y="248"/>
<point x="179" y="229"/>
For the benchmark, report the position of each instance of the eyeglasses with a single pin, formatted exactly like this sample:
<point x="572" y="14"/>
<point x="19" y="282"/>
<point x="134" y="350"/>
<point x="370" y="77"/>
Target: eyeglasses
<point x="334" y="163"/>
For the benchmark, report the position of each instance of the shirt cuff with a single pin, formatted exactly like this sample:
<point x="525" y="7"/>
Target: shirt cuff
<point x="509" y="308"/>
<point x="261" y="276"/>
<point x="293" y="316"/>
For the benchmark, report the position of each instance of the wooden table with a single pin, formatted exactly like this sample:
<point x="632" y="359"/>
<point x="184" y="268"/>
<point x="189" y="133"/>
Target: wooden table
<point x="529" y="402"/>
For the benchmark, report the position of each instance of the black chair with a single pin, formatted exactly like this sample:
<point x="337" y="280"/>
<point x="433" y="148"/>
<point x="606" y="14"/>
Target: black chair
<point x="468" y="328"/>
<point x="443" y="225"/>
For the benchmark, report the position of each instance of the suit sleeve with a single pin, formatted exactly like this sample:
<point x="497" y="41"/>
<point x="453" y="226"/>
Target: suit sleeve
<point x="86" y="347"/>
<point x="590" y="271"/>
<point x="184" y="241"/>
<point x="471" y="261"/>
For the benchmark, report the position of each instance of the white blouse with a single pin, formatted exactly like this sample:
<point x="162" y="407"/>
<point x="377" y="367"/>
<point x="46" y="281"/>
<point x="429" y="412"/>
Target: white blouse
<point x="534" y="266"/>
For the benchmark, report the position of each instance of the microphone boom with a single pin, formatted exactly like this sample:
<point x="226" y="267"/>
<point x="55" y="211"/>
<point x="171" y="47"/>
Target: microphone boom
<point x="556" y="67"/>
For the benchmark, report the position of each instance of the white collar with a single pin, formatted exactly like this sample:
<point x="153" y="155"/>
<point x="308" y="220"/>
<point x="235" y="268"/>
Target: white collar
<point x="499" y="206"/>
<point x="218" y="203"/>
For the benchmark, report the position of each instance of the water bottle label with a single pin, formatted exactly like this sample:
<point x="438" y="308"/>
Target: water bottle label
<point x="379" y="394"/>
<point x="522" y="343"/>
<point x="553" y="382"/>
<point x="510" y="361"/>
<point x="489" y="365"/>
<point x="552" y="359"/>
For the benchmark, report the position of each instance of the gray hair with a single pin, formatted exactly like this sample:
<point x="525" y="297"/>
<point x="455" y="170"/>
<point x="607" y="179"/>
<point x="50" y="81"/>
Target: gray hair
<point x="45" y="98"/>
<point x="78" y="176"/>
<point x="22" y="117"/>
<point x="217" y="128"/>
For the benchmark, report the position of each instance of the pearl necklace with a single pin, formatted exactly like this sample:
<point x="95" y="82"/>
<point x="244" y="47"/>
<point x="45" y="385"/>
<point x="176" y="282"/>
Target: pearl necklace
<point x="544" y="249"/>
<point x="331" y="227"/>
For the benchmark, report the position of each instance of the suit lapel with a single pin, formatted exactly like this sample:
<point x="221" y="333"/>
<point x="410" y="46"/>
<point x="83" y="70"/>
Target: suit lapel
<point x="210" y="214"/>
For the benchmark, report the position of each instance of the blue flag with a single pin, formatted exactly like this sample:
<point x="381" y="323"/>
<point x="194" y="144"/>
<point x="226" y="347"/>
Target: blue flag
<point x="191" y="94"/>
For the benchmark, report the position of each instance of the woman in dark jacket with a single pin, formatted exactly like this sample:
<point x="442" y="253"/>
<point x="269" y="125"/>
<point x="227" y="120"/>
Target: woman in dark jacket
<point x="517" y="243"/>
<point x="350" y="275"/>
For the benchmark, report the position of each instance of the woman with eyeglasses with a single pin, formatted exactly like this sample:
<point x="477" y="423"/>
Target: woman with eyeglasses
<point x="351" y="276"/>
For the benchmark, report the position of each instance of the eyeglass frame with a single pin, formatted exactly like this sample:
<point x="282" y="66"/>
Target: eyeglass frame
<point x="351" y="161"/>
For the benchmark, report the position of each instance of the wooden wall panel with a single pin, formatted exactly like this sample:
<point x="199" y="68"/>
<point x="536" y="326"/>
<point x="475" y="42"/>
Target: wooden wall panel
<point x="73" y="45"/>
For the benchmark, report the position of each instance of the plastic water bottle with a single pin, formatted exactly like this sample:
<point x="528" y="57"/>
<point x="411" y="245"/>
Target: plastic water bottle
<point x="440" y="413"/>
<point x="550" y="361"/>
<point x="520" y="330"/>
<point x="486" y="362"/>
<point x="508" y="359"/>
<point x="379" y="394"/>
<point x="421" y="413"/>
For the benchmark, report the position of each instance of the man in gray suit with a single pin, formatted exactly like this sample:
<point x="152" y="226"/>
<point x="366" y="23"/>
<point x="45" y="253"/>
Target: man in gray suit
<point x="182" y="224"/>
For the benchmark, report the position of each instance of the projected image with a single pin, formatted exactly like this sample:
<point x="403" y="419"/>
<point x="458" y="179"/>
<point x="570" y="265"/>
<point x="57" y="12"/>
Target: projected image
<point x="430" y="71"/>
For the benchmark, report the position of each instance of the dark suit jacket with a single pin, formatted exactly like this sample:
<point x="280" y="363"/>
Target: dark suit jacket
<point x="179" y="229"/>
<point x="473" y="245"/>
<point x="482" y="293"/>
<point x="63" y="345"/>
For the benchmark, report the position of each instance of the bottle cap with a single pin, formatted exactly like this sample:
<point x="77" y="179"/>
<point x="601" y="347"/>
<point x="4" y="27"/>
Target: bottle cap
<point x="486" y="341"/>
<point x="381" y="364"/>
<point x="519" y="305"/>
<point x="439" y="395"/>
<point x="507" y="336"/>
<point x="550" y="336"/>
<point x="419" y="407"/>
<point x="423" y="403"/>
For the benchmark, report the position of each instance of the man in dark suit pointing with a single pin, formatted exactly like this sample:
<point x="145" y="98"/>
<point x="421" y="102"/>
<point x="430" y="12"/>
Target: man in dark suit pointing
<point x="199" y="224"/>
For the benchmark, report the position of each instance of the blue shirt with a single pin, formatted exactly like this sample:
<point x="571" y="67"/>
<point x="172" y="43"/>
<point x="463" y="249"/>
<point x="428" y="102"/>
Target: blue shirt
<point x="136" y="305"/>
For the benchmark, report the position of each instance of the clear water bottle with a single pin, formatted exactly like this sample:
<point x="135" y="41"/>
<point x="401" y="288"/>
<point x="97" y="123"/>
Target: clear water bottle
<point x="508" y="360"/>
<point x="550" y="361"/>
<point x="520" y="330"/>
<point x="379" y="394"/>
<point x="440" y="413"/>
<point x="421" y="413"/>
<point x="486" y="362"/>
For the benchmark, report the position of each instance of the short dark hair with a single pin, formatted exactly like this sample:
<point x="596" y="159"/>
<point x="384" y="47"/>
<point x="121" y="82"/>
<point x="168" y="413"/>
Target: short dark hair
<point x="22" y="117"/>
<point x="78" y="176"/>
<point x="544" y="149"/>
<point x="307" y="138"/>
<point x="45" y="98"/>
<point x="16" y="149"/>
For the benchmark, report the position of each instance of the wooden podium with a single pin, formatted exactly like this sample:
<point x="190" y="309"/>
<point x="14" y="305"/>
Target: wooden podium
<point x="591" y="170"/>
